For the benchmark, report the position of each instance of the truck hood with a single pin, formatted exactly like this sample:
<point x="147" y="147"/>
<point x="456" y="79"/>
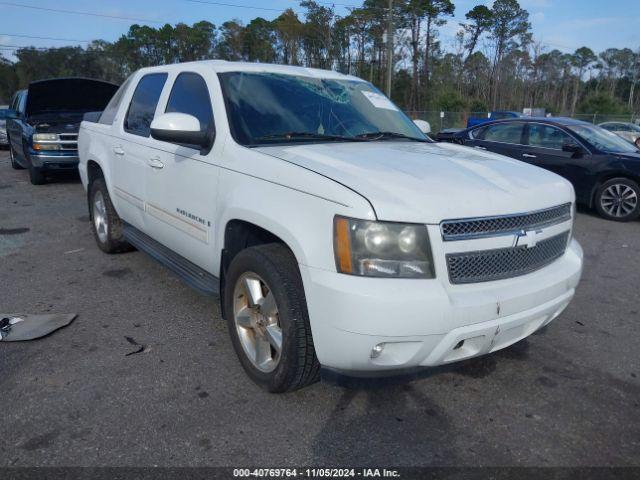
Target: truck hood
<point x="430" y="182"/>
<point x="68" y="95"/>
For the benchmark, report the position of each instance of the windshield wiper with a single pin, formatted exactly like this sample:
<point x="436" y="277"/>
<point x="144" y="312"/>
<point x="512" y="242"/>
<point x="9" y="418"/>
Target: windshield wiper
<point x="387" y="135"/>
<point x="309" y="136"/>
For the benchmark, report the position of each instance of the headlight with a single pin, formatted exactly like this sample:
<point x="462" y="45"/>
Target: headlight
<point x="382" y="249"/>
<point x="45" y="137"/>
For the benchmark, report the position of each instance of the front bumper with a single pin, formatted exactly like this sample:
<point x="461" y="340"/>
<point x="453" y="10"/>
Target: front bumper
<point x="51" y="161"/>
<point x="429" y="322"/>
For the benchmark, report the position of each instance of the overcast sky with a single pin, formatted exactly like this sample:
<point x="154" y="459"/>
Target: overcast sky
<point x="562" y="24"/>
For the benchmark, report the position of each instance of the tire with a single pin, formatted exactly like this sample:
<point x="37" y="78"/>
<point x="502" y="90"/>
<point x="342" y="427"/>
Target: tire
<point x="295" y="365"/>
<point x="106" y="224"/>
<point x="15" y="165"/>
<point x="618" y="199"/>
<point x="35" y="174"/>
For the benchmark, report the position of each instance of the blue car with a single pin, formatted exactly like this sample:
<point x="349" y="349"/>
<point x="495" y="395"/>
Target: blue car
<point x="43" y="122"/>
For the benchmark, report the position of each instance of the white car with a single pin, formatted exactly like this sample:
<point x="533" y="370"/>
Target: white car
<point x="335" y="232"/>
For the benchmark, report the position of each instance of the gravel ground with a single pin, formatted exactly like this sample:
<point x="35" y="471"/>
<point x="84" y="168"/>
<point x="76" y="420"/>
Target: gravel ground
<point x="567" y="396"/>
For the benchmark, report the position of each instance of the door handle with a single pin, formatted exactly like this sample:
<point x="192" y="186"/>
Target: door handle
<point x="156" y="163"/>
<point x="480" y="147"/>
<point x="118" y="150"/>
<point x="528" y="155"/>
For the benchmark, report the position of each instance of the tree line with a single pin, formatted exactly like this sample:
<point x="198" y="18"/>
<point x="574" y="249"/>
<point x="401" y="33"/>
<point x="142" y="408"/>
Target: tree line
<point x="494" y="63"/>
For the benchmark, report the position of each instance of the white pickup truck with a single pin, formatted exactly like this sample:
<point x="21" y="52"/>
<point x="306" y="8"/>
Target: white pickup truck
<point x="335" y="232"/>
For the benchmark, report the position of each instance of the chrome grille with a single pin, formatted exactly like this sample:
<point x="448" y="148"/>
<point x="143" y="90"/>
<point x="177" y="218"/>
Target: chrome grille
<point x="68" y="141"/>
<point x="501" y="263"/>
<point x="502" y="225"/>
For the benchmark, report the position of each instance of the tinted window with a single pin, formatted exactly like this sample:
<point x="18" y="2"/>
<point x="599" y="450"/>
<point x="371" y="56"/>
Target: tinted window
<point x="603" y="140"/>
<point x="478" y="132"/>
<point x="268" y="108"/>
<point x="109" y="113"/>
<point x="546" y="136"/>
<point x="22" y="102"/>
<point x="143" y="104"/>
<point x="504" y="133"/>
<point x="191" y="95"/>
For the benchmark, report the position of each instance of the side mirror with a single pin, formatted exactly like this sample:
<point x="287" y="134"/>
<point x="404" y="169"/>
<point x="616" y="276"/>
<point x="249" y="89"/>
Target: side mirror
<point x="179" y="128"/>
<point x="11" y="113"/>
<point x="571" y="148"/>
<point x="423" y="126"/>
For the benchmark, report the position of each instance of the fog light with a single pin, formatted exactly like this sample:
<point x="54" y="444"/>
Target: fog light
<point x="377" y="350"/>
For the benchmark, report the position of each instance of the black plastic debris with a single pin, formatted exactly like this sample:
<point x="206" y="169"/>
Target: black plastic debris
<point x="18" y="328"/>
<point x="140" y="348"/>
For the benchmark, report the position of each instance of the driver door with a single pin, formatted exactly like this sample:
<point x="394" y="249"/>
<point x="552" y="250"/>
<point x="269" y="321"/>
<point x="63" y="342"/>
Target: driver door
<point x="182" y="180"/>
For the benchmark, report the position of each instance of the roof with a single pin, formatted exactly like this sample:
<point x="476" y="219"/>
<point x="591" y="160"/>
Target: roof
<point x="551" y="120"/>
<point x="220" y="66"/>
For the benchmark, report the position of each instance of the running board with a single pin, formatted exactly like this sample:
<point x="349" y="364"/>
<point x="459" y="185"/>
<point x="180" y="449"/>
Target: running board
<point x="195" y="276"/>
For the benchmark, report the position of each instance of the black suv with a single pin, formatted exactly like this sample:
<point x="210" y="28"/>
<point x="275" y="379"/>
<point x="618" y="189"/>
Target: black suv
<point x="603" y="168"/>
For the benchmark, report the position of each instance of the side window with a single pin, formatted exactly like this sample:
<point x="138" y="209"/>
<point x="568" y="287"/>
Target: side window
<point x="478" y="133"/>
<point x="143" y="104"/>
<point x="109" y="112"/>
<point x="504" y="133"/>
<point x="22" y="103"/>
<point x="546" y="136"/>
<point x="190" y="95"/>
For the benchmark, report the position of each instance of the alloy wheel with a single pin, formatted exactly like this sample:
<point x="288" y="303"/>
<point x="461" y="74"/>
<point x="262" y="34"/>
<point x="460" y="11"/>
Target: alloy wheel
<point x="619" y="200"/>
<point x="257" y="321"/>
<point x="100" y="217"/>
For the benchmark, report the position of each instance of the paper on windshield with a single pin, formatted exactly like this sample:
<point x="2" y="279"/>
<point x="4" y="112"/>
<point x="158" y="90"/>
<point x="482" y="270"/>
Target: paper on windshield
<point x="378" y="100"/>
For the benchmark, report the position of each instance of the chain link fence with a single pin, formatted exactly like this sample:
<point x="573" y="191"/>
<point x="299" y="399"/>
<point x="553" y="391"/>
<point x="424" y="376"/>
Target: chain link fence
<point x="444" y="120"/>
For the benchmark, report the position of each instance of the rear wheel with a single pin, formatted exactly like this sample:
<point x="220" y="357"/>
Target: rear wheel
<point x="14" y="164"/>
<point x="268" y="321"/>
<point x="106" y="224"/>
<point x="618" y="199"/>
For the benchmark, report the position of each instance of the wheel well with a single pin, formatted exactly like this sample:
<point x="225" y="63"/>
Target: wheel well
<point x="238" y="236"/>
<point x="93" y="171"/>
<point x="606" y="178"/>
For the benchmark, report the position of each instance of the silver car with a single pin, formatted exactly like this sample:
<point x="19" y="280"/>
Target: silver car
<point x="3" y="126"/>
<point x="628" y="131"/>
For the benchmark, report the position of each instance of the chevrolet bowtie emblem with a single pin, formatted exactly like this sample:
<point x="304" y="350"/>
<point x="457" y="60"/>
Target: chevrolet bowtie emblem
<point x="527" y="238"/>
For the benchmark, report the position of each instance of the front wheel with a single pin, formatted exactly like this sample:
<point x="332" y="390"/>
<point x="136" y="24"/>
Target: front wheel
<point x="617" y="199"/>
<point x="268" y="320"/>
<point x="36" y="176"/>
<point x="106" y="224"/>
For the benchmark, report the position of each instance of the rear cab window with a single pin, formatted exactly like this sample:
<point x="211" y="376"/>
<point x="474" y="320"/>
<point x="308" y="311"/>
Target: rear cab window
<point x="109" y="113"/>
<point x="143" y="104"/>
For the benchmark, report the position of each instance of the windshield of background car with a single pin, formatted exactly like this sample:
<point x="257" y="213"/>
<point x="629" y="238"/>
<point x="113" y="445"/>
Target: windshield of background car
<point x="602" y="139"/>
<point x="264" y="107"/>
